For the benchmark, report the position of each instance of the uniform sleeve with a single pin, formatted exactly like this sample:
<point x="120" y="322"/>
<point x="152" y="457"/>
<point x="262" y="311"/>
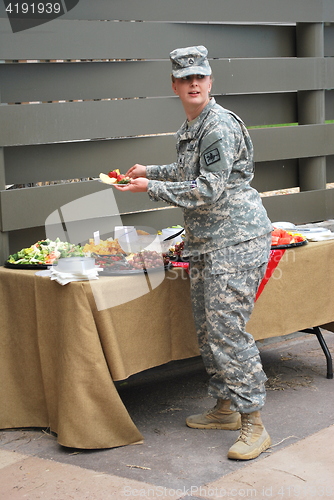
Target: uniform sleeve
<point x="216" y="157"/>
<point x="162" y="172"/>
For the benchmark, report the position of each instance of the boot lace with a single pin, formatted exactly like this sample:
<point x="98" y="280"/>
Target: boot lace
<point x="245" y="429"/>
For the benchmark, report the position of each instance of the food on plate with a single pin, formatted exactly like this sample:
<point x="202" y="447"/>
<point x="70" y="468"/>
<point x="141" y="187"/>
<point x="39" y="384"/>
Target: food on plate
<point x="134" y="261"/>
<point x="45" y="252"/>
<point x="114" y="177"/>
<point x="105" y="247"/>
<point x="112" y="262"/>
<point x="146" y="259"/>
<point x="114" y="173"/>
<point x="177" y="249"/>
<point x="282" y="237"/>
<point x="175" y="253"/>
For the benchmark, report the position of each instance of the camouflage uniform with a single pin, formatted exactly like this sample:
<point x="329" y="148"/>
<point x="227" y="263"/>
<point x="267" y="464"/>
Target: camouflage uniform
<point x="223" y="286"/>
<point x="227" y="239"/>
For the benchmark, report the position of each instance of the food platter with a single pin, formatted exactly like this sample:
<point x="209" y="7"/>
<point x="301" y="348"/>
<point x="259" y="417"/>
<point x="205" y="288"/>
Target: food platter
<point x="280" y="238"/>
<point x="42" y="254"/>
<point x="136" y="263"/>
<point x="39" y="267"/>
<point x="289" y="245"/>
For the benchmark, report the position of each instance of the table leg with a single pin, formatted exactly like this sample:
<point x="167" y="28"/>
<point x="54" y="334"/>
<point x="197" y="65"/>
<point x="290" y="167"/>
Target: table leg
<point x="316" y="331"/>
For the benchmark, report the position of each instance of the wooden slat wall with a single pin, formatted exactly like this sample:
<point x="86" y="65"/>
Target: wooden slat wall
<point x="90" y="91"/>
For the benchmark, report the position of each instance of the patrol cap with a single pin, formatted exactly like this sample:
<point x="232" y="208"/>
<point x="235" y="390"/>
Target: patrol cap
<point x="190" y="61"/>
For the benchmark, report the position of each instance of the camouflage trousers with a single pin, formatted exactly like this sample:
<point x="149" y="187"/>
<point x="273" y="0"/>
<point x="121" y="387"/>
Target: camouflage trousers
<point x="223" y="288"/>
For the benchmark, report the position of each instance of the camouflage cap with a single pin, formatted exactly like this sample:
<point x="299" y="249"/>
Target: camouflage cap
<point x="190" y="61"/>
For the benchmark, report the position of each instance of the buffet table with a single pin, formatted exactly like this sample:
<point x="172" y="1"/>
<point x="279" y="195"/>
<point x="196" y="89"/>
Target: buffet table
<point x="62" y="347"/>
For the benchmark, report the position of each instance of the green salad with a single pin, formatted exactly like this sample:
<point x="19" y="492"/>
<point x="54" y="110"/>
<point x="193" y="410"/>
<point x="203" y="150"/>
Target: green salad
<point x="46" y="252"/>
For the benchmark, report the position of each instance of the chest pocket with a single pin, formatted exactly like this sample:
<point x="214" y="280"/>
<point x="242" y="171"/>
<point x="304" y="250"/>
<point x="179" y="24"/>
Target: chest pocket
<point x="188" y="160"/>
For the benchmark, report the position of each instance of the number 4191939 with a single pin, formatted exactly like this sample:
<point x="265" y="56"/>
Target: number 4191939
<point x="33" y="8"/>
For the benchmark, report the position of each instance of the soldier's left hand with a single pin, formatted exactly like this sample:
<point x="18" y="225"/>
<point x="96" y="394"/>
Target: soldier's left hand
<point x="138" y="185"/>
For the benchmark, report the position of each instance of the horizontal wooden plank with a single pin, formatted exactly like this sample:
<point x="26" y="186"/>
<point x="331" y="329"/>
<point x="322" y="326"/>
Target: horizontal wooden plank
<point x="107" y="80"/>
<point x="300" y="208"/>
<point x="293" y="142"/>
<point x="78" y="160"/>
<point x="96" y="211"/>
<point x="270" y="143"/>
<point x="226" y="11"/>
<point x="53" y="162"/>
<point x="122" y="40"/>
<point x="262" y="109"/>
<point x="54" y="82"/>
<point x="276" y="175"/>
<point x="238" y="76"/>
<point x="77" y="121"/>
<point x="91" y="198"/>
<point x="284" y="11"/>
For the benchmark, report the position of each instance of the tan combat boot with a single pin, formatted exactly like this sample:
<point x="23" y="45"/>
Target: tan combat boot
<point x="220" y="417"/>
<point x="253" y="439"/>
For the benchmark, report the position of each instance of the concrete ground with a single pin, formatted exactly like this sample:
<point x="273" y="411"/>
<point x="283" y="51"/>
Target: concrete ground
<point x="181" y="463"/>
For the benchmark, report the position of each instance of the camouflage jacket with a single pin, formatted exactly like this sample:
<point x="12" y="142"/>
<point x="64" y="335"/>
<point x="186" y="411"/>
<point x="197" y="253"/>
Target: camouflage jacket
<point x="210" y="181"/>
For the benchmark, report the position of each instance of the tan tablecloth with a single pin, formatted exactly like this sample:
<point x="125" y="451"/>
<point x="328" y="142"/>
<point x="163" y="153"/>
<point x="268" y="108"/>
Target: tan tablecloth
<point x="61" y="347"/>
<point x="300" y="293"/>
<point x="59" y="355"/>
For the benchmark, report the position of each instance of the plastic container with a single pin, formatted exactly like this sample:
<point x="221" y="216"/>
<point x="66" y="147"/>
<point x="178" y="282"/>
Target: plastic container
<point x="76" y="265"/>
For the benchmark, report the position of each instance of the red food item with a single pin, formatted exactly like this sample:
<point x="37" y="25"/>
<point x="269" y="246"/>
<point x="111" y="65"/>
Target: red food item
<point x="282" y="237"/>
<point x="113" y="174"/>
<point x="298" y="239"/>
<point x="274" y="240"/>
<point x="120" y="177"/>
<point x="286" y="241"/>
<point x="281" y="233"/>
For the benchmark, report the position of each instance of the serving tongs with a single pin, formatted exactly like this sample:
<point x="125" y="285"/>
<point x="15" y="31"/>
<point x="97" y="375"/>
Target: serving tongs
<point x="174" y="235"/>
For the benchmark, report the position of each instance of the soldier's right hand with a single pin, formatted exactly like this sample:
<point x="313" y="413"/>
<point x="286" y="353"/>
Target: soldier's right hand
<point x="136" y="171"/>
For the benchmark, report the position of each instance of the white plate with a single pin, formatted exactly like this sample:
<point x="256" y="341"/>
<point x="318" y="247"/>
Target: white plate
<point x="308" y="230"/>
<point x="284" y="225"/>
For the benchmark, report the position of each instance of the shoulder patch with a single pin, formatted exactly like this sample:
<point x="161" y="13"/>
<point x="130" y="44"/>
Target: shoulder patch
<point x="212" y="156"/>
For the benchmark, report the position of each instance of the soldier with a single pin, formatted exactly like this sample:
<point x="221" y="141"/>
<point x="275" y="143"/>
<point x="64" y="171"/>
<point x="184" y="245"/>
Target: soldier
<point x="227" y="239"/>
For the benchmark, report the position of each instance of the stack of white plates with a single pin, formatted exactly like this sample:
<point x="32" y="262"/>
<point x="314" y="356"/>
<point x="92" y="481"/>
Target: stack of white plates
<point x="315" y="233"/>
<point x="74" y="269"/>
